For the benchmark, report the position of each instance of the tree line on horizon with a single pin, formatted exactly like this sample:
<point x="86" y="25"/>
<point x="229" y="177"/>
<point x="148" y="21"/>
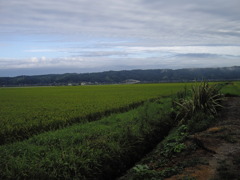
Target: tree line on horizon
<point x="114" y="77"/>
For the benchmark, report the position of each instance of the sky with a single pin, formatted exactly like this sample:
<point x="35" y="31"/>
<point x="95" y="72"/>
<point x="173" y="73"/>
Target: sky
<point x="66" y="36"/>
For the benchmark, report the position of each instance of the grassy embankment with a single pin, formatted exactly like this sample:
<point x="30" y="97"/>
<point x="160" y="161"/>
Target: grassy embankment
<point x="196" y="112"/>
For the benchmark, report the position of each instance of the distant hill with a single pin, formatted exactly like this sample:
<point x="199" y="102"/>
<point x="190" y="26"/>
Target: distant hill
<point x="130" y="76"/>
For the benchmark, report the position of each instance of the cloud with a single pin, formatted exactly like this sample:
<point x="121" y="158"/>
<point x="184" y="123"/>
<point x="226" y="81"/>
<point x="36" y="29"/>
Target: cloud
<point x="199" y="55"/>
<point x="131" y="56"/>
<point x="165" y="21"/>
<point x="119" y="34"/>
<point x="107" y="61"/>
<point x="146" y="51"/>
<point x="215" y="50"/>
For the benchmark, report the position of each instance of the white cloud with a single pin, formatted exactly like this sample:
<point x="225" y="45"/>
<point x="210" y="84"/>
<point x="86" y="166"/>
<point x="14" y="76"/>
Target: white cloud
<point x="179" y="22"/>
<point x="217" y="50"/>
<point x="136" y="33"/>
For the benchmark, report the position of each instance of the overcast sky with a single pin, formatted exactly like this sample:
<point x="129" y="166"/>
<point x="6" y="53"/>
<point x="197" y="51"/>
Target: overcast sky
<point x="60" y="36"/>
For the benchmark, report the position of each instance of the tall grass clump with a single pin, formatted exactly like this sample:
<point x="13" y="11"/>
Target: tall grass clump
<point x="203" y="100"/>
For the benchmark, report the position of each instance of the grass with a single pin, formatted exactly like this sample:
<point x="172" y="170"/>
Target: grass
<point x="231" y="88"/>
<point x="195" y="111"/>
<point x="159" y="165"/>
<point x="97" y="150"/>
<point x="28" y="111"/>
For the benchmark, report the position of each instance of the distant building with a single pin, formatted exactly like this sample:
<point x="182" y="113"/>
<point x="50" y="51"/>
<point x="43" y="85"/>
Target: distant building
<point x="131" y="81"/>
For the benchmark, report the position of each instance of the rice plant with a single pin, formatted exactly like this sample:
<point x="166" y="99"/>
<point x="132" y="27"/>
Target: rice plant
<point x="25" y="112"/>
<point x="100" y="149"/>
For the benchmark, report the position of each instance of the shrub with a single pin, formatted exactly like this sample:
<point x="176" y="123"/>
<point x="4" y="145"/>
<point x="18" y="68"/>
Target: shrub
<point x="203" y="97"/>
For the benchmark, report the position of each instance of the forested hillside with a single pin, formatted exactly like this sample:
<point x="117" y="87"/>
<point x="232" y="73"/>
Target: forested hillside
<point x="112" y="77"/>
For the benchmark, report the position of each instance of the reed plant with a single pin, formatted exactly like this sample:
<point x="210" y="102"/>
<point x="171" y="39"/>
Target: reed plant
<point x="203" y="97"/>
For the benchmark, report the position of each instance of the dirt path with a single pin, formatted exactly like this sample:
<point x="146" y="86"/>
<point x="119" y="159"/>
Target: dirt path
<point x="220" y="148"/>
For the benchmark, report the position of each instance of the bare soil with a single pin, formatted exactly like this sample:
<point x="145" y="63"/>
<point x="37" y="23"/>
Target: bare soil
<point x="218" y="148"/>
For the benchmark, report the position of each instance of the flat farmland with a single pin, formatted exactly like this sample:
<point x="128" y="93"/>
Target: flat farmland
<point x="75" y="148"/>
<point x="31" y="110"/>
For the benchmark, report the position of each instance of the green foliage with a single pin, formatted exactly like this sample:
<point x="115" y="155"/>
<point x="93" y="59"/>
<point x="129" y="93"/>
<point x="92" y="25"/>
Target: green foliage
<point x="203" y="97"/>
<point x="101" y="149"/>
<point x="231" y="89"/>
<point x="140" y="168"/>
<point x="200" y="121"/>
<point x="195" y="109"/>
<point x="157" y="75"/>
<point x="96" y="150"/>
<point x="174" y="142"/>
<point x="28" y="111"/>
<point x="170" y="147"/>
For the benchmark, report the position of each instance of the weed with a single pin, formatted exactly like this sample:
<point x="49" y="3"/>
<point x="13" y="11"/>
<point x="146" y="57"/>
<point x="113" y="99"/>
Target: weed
<point x="140" y="168"/>
<point x="200" y="121"/>
<point x="174" y="144"/>
<point x="203" y="97"/>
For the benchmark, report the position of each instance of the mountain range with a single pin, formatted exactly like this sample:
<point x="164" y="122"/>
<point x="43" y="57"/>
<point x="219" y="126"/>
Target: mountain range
<point x="126" y="76"/>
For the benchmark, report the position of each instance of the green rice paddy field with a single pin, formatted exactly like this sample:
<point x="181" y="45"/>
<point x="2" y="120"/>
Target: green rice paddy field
<point x="30" y="110"/>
